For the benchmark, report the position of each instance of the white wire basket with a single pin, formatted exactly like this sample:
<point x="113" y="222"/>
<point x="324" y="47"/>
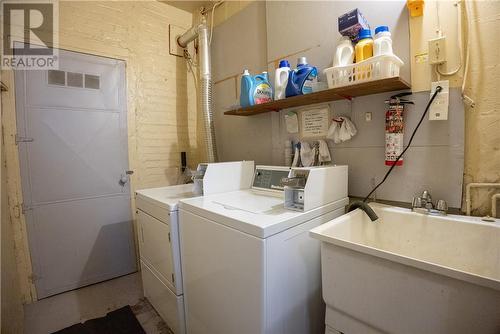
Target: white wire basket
<point x="374" y="68"/>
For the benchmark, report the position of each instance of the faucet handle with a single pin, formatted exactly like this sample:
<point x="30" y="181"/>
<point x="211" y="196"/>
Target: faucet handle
<point x="441" y="205"/>
<point x="416" y="202"/>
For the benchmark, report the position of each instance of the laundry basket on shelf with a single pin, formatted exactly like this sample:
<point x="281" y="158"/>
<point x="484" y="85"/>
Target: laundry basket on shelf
<point x="374" y="68"/>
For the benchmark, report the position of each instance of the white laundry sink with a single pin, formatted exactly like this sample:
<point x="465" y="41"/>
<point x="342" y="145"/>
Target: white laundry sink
<point x="410" y="273"/>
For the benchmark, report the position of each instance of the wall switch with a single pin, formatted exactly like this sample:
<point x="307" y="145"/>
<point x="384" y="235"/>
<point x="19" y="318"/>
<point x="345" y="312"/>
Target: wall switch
<point x="368" y="116"/>
<point x="439" y="107"/>
<point x="437" y="50"/>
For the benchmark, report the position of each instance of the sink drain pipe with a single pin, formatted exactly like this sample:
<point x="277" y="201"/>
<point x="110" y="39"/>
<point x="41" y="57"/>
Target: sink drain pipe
<point x="468" y="188"/>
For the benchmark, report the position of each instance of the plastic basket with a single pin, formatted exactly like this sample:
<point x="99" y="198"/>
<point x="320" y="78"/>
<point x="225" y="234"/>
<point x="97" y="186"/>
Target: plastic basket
<point x="374" y="68"/>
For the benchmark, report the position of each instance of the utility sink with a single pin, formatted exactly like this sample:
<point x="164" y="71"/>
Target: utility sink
<point x="410" y="273"/>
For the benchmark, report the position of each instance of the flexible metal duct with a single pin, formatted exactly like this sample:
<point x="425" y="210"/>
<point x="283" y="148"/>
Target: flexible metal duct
<point x="206" y="102"/>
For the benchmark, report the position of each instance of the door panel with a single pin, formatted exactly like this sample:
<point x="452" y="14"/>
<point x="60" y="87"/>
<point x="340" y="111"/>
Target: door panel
<point x="77" y="211"/>
<point x="74" y="248"/>
<point x="85" y="147"/>
<point x="155" y="246"/>
<point x="107" y="97"/>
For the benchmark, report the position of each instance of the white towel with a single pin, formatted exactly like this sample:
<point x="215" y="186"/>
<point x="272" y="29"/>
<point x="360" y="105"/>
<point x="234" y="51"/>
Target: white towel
<point x="324" y="152"/>
<point x="306" y="154"/>
<point x="342" y="129"/>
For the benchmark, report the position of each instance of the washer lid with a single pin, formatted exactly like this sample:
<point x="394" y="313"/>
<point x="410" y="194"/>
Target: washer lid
<point x="167" y="197"/>
<point x="255" y="213"/>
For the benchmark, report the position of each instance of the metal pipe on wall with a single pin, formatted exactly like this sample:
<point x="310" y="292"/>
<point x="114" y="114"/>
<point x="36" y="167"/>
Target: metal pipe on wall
<point x="494" y="199"/>
<point x="206" y="101"/>
<point x="188" y="37"/>
<point x="468" y="189"/>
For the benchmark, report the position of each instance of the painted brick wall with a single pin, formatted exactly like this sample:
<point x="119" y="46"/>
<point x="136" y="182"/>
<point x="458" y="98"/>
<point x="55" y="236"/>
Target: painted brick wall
<point x="161" y="95"/>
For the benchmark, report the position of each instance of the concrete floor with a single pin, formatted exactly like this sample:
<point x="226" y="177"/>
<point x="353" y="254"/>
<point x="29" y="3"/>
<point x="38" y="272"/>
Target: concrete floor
<point x="54" y="313"/>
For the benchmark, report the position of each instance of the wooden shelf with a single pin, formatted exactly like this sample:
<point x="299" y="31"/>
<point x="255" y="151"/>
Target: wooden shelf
<point x="328" y="95"/>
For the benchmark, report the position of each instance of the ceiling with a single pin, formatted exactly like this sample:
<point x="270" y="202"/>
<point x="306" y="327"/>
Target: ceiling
<point x="188" y="5"/>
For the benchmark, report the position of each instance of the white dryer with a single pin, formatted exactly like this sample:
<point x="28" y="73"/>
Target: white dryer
<point x="158" y="237"/>
<point x="249" y="264"/>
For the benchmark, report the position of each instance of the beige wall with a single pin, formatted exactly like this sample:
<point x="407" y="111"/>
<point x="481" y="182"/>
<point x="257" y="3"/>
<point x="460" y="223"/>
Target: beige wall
<point x="482" y="132"/>
<point x="482" y="123"/>
<point x="236" y="47"/>
<point x="422" y="29"/>
<point x="161" y="96"/>
<point x="227" y="9"/>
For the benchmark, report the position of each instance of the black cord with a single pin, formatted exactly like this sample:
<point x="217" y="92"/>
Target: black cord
<point x="438" y="89"/>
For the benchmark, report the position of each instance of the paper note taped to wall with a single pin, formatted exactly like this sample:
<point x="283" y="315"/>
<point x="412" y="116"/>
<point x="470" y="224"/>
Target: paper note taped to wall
<point x="315" y="122"/>
<point x="292" y="124"/>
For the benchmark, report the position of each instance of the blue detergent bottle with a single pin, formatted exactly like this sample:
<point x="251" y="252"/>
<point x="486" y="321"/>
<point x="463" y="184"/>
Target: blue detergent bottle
<point x="301" y="79"/>
<point x="255" y="89"/>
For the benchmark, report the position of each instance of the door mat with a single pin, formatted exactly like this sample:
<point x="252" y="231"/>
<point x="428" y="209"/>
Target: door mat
<point x="121" y="321"/>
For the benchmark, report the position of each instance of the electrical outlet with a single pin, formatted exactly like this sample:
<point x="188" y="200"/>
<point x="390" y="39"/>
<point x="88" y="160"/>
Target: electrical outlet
<point x="437" y="50"/>
<point x="439" y="107"/>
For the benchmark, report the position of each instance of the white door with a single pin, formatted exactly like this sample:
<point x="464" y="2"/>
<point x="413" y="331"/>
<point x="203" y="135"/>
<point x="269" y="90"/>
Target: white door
<point x="72" y="140"/>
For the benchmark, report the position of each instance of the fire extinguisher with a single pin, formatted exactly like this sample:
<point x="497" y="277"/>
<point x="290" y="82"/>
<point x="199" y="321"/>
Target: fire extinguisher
<point x="394" y="128"/>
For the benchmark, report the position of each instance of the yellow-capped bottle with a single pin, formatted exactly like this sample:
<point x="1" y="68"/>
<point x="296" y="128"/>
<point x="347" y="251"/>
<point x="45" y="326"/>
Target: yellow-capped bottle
<point x="364" y="47"/>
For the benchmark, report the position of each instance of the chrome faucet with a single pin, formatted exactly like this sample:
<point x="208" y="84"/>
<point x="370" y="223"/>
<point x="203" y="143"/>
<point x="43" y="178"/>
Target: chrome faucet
<point x="423" y="204"/>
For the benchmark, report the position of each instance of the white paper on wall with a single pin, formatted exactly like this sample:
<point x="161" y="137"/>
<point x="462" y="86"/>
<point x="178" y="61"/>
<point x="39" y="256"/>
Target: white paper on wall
<point x="292" y="123"/>
<point x="315" y="122"/>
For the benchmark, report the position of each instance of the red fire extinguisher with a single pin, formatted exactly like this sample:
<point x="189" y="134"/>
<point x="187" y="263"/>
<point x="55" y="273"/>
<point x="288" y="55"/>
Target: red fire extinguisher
<point x="394" y="129"/>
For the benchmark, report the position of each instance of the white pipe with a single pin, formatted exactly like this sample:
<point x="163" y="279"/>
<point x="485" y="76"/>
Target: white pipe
<point x="476" y="185"/>
<point x="494" y="199"/>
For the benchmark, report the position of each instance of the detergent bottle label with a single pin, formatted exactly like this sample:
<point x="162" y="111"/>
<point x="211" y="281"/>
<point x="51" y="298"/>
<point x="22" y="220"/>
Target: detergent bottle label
<point x="311" y="80"/>
<point x="263" y="93"/>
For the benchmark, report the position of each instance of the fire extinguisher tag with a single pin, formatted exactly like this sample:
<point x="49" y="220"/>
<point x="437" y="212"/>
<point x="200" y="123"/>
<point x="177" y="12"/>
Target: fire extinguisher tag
<point x="394" y="132"/>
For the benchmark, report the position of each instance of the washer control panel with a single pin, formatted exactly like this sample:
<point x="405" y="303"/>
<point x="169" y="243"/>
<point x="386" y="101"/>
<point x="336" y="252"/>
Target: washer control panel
<point x="270" y="177"/>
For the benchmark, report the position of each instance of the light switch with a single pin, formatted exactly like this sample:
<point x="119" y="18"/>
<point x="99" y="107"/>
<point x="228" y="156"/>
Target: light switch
<point x="437" y="50"/>
<point x="368" y="116"/>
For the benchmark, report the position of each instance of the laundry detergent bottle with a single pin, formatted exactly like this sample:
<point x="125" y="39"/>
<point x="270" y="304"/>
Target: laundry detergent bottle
<point x="344" y="54"/>
<point x="382" y="44"/>
<point x="255" y="89"/>
<point x="281" y="79"/>
<point x="364" y="47"/>
<point x="302" y="79"/>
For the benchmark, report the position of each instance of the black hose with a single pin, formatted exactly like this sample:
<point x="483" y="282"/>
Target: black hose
<point x="365" y="207"/>
<point x="438" y="89"/>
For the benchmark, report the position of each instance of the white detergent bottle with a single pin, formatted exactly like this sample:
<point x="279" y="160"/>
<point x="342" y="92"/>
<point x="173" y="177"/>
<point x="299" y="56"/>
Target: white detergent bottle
<point x="281" y="79"/>
<point x="344" y="55"/>
<point x="382" y="44"/>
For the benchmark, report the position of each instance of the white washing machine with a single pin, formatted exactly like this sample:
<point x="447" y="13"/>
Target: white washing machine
<point x="158" y="226"/>
<point x="249" y="264"/>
